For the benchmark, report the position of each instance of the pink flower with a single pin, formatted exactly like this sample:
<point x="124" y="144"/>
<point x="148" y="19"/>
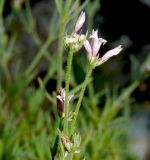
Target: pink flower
<point x="80" y="22"/>
<point x="61" y="101"/>
<point x="93" y="45"/>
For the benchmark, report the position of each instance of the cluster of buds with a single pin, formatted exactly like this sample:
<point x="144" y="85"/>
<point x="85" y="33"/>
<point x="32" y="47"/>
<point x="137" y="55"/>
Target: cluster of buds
<point x="92" y="47"/>
<point x="75" y="41"/>
<point x="61" y="101"/>
<point x="71" y="146"/>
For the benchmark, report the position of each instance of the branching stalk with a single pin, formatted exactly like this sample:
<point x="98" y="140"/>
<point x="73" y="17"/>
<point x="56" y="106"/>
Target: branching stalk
<point x="85" y="83"/>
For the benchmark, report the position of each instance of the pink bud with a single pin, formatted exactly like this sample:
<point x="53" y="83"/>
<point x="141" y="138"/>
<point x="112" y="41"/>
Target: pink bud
<point x="61" y="101"/>
<point x="80" y="22"/>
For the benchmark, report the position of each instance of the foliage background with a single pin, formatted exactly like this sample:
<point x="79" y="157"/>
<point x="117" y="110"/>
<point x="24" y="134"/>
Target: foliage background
<point x="31" y="43"/>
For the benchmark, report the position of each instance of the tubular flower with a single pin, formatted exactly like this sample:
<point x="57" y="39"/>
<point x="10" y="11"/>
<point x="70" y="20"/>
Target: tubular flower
<point x="61" y="101"/>
<point x="93" y="45"/>
<point x="75" y="41"/>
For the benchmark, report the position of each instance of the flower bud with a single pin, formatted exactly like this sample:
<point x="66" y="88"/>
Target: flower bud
<point x="80" y="22"/>
<point x="77" y="139"/>
<point x="61" y="102"/>
<point x="66" y="142"/>
<point x="75" y="41"/>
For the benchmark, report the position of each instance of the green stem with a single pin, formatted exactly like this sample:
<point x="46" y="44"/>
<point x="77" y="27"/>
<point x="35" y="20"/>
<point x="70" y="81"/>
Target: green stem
<point x="60" y="54"/>
<point x="2" y="2"/>
<point x="85" y="83"/>
<point x="69" y="63"/>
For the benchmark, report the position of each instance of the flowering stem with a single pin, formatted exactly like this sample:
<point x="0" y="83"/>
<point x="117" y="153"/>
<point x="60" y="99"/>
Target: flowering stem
<point x="60" y="53"/>
<point x="69" y="63"/>
<point x="85" y="83"/>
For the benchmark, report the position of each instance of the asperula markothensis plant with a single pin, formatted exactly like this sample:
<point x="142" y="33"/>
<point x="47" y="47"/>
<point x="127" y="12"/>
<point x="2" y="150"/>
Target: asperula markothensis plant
<point x="73" y="43"/>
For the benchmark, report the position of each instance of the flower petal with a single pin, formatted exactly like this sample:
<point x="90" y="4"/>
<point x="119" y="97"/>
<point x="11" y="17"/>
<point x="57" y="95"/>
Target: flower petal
<point x="94" y="34"/>
<point x="60" y="98"/>
<point x="96" y="42"/>
<point x="63" y="94"/>
<point x="88" y="48"/>
<point x="96" y="46"/>
<point x="60" y="106"/>
<point x="109" y="54"/>
<point x="93" y="37"/>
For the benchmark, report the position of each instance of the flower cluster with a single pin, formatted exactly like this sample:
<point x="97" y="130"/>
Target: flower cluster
<point x="70" y="140"/>
<point x="71" y="146"/>
<point x="93" y="45"/>
<point x="75" y="41"/>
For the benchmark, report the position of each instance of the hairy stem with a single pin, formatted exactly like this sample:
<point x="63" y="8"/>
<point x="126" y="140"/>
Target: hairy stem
<point x="60" y="54"/>
<point x="69" y="63"/>
<point x="85" y="83"/>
